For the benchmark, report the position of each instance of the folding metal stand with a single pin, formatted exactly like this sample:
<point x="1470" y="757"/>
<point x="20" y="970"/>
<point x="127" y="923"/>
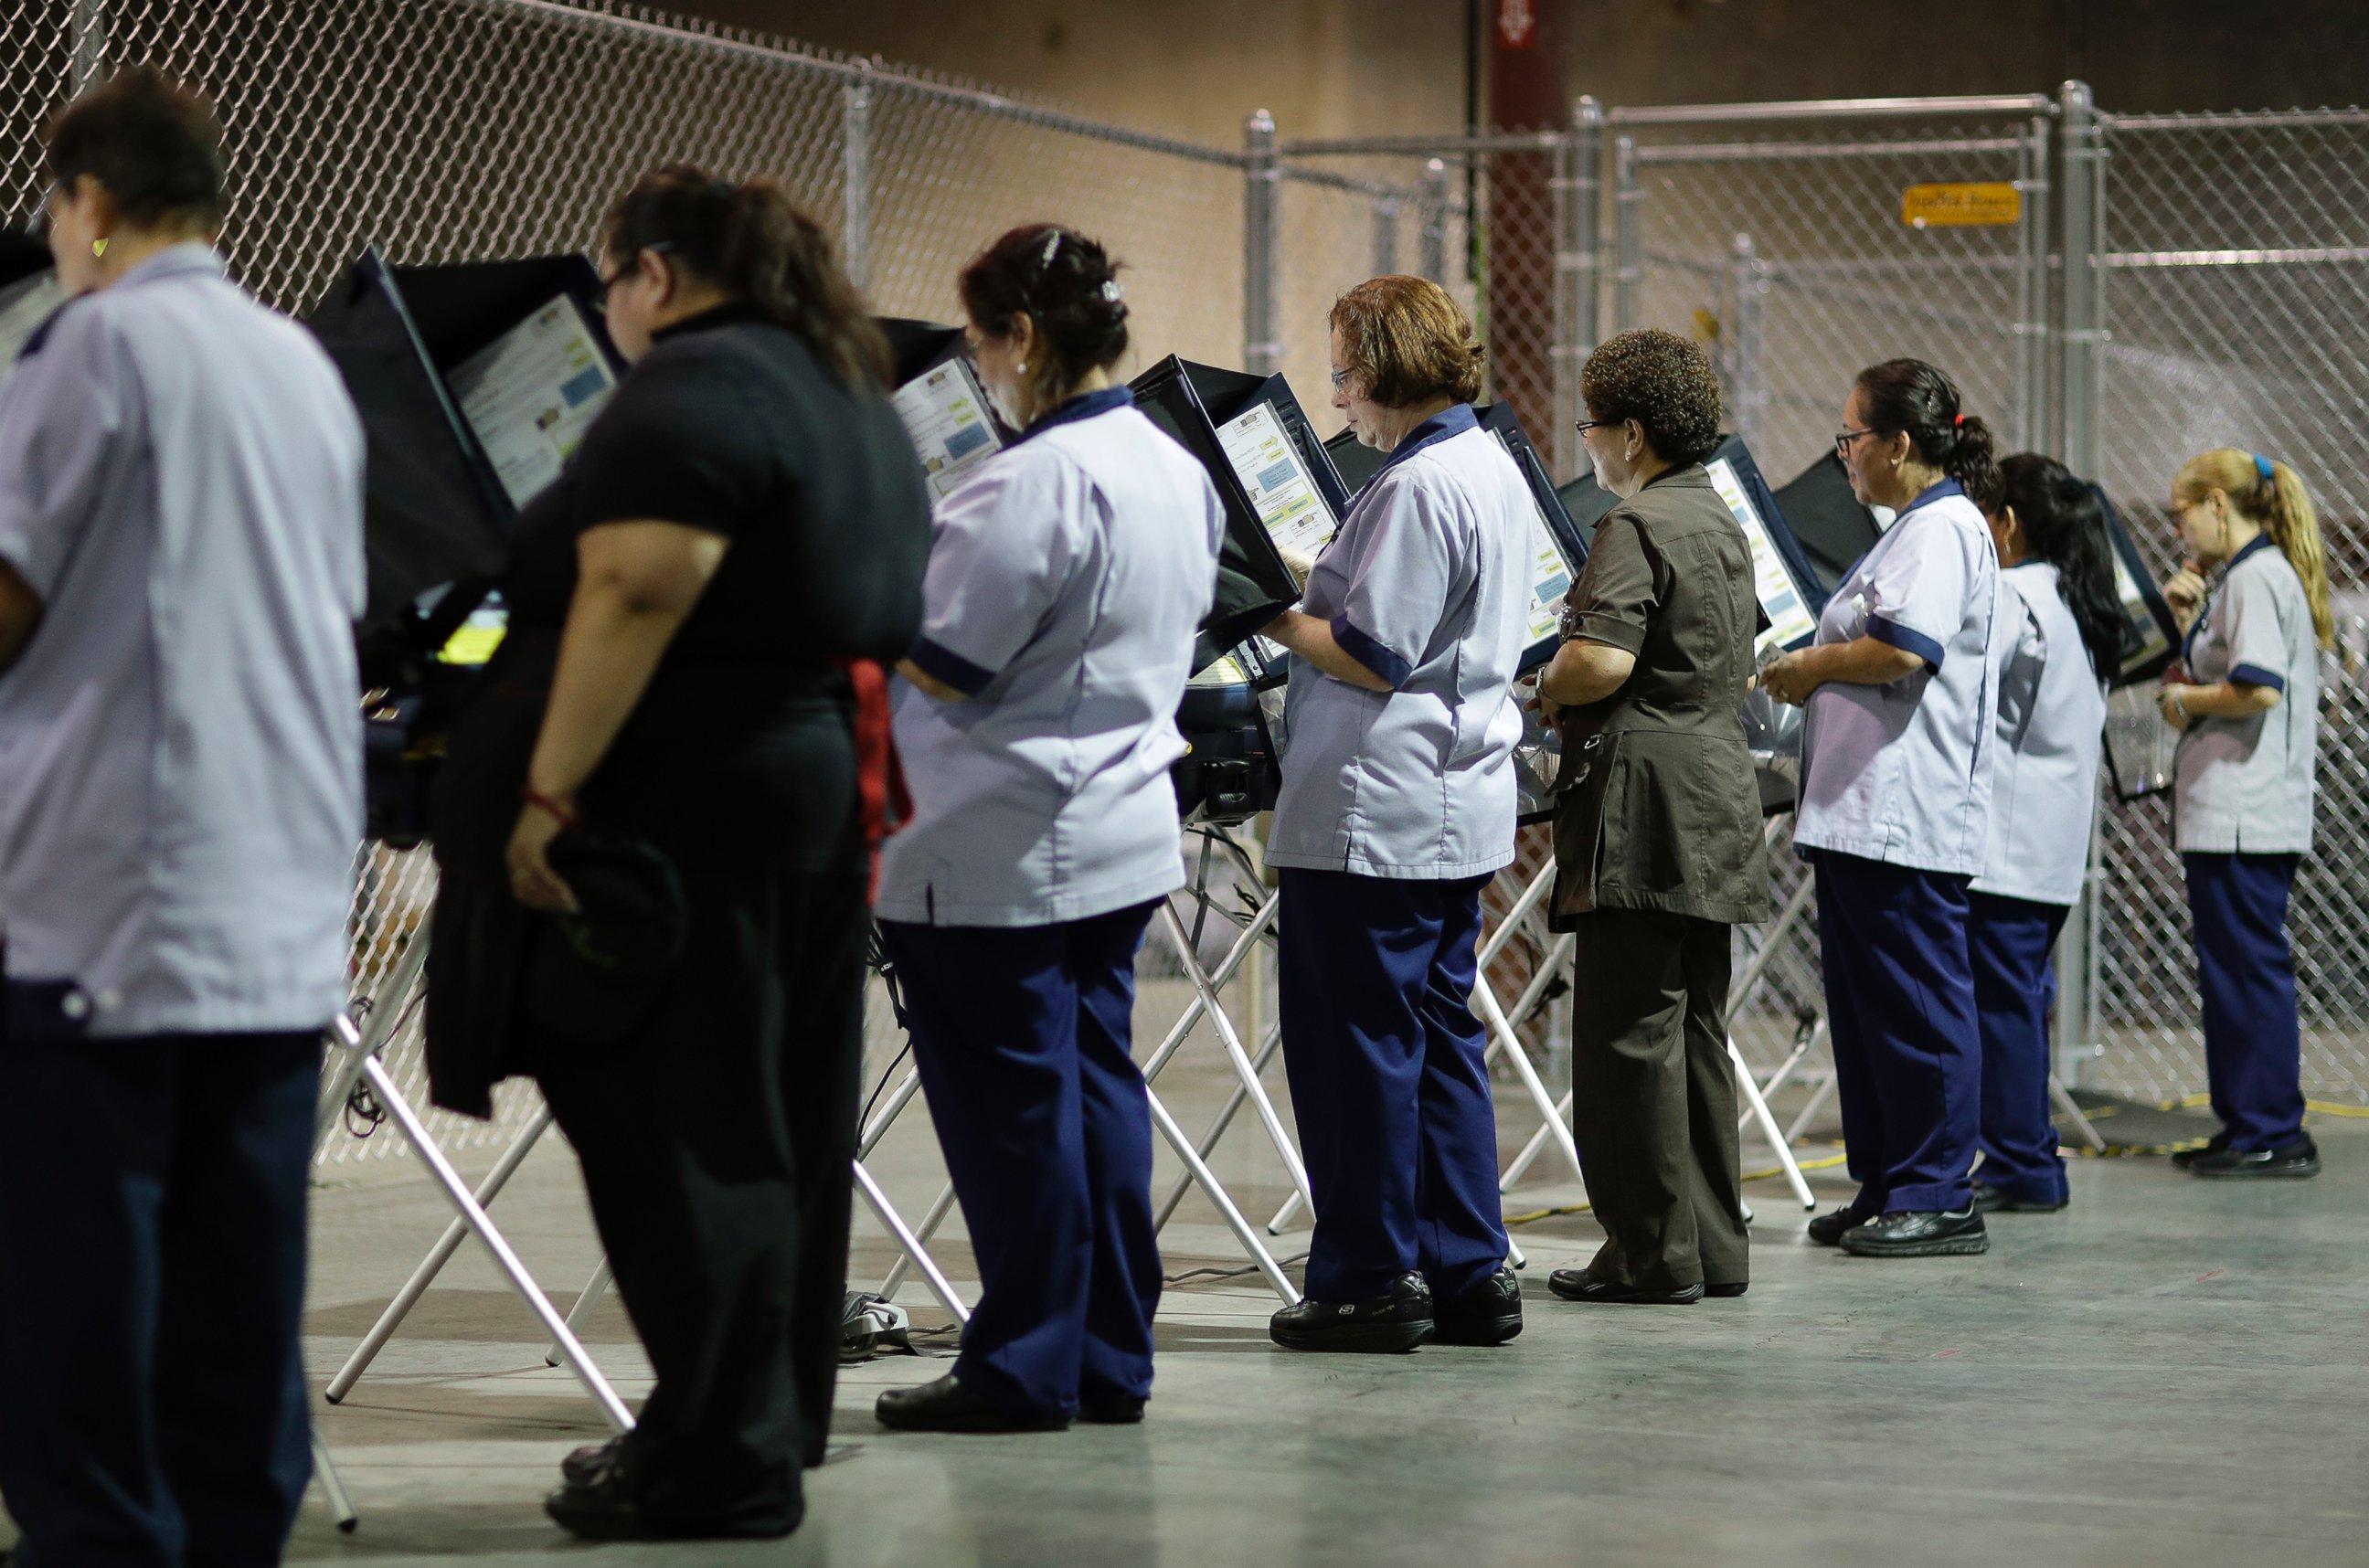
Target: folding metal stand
<point x="1207" y="984"/>
<point x="357" y="1062"/>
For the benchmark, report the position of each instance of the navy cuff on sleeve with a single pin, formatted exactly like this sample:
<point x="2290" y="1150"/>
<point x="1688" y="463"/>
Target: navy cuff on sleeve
<point x="2254" y="675"/>
<point x="942" y="664"/>
<point x="1906" y="641"/>
<point x="1386" y="665"/>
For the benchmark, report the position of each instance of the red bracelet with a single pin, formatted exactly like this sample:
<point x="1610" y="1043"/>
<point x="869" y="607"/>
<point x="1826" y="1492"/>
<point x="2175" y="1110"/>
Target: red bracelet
<point x="543" y="802"/>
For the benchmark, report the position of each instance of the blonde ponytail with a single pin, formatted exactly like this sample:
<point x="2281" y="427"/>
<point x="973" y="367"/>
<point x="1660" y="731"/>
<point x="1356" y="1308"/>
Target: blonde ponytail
<point x="2277" y="502"/>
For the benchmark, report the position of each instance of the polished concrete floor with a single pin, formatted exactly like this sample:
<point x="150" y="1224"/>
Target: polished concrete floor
<point x="2170" y="1372"/>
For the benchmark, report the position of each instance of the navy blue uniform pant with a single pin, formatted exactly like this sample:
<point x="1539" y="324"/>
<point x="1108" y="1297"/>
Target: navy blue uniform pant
<point x="2009" y="941"/>
<point x="152" y="1294"/>
<point x="1023" y="1035"/>
<point x="2245" y="975"/>
<point x="1375" y="978"/>
<point x="1900" y="1007"/>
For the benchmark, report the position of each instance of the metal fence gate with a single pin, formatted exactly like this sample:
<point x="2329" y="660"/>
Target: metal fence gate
<point x="2166" y="283"/>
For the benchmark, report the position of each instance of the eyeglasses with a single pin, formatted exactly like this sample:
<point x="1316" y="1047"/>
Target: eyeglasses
<point x="1843" y="439"/>
<point x="1586" y="425"/>
<point x="608" y="284"/>
<point x="1341" y="379"/>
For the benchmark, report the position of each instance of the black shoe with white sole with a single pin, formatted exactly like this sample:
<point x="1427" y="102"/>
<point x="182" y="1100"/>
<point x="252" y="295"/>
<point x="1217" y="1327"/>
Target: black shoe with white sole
<point x="2293" y="1162"/>
<point x="1397" y="1320"/>
<point x="1919" y="1233"/>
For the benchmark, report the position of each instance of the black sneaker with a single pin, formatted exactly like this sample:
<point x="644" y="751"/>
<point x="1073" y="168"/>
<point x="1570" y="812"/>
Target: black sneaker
<point x="950" y="1405"/>
<point x="1398" y="1318"/>
<point x="1112" y="1410"/>
<point x="1489" y="1313"/>
<point x="1919" y="1233"/>
<point x="1827" y="1228"/>
<point x="2187" y="1157"/>
<point x="585" y="1467"/>
<point x="2295" y="1161"/>
<point x="1989" y="1199"/>
<point x="1726" y="1289"/>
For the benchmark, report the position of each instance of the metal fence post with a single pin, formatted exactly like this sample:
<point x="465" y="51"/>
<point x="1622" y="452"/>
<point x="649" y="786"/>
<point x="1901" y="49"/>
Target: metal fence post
<point x="2077" y="949"/>
<point x="1578" y="222"/>
<point x="1262" y="244"/>
<point x="1746" y="281"/>
<point x="2032" y="426"/>
<point x="1627" y="197"/>
<point x="86" y="27"/>
<point x="1386" y="235"/>
<point x="1434" y="221"/>
<point x="856" y="172"/>
<point x="2083" y="182"/>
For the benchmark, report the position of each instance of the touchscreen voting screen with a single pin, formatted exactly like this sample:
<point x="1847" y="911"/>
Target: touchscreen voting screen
<point x="946" y="412"/>
<point x="530" y="395"/>
<point x="1555" y="550"/>
<point x="2150" y="635"/>
<point x="1277" y="481"/>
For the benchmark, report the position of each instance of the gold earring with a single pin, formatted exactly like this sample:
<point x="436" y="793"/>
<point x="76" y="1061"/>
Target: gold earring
<point x="99" y="248"/>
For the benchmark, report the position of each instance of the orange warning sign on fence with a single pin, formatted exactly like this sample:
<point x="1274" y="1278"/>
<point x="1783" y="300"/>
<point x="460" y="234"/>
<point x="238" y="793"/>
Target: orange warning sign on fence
<point x="1959" y="206"/>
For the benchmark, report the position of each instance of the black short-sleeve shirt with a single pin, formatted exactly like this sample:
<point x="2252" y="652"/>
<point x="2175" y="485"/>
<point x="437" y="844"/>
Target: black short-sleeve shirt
<point x="729" y="424"/>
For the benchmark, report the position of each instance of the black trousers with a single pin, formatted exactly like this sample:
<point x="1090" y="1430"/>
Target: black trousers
<point x="152" y="1296"/>
<point x="715" y="1146"/>
<point x="1653" y="1098"/>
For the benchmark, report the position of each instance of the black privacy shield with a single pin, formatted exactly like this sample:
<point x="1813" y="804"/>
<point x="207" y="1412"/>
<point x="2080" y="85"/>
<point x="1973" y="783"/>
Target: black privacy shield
<point x="1190" y="401"/>
<point x="2151" y="636"/>
<point x="1832" y="526"/>
<point x="435" y="511"/>
<point x="918" y="346"/>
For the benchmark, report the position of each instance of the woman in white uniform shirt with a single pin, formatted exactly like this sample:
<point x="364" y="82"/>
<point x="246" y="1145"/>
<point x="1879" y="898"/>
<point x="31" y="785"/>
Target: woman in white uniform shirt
<point x="1896" y="751"/>
<point x="2065" y="640"/>
<point x="1397" y="807"/>
<point x="1065" y="581"/>
<point x="2242" y="788"/>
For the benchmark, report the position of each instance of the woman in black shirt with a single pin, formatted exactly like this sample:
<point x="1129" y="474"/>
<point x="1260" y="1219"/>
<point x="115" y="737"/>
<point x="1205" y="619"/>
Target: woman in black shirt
<point x="699" y="608"/>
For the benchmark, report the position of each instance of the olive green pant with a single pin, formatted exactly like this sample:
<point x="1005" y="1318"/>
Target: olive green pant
<point x="1653" y="1098"/>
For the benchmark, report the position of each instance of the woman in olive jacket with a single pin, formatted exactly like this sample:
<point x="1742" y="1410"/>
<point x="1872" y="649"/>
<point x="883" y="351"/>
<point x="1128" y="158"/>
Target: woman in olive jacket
<point x="1657" y="837"/>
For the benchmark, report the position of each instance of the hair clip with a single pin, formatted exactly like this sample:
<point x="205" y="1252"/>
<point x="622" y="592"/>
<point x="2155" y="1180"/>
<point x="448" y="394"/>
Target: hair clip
<point x="1112" y="292"/>
<point x="1052" y="248"/>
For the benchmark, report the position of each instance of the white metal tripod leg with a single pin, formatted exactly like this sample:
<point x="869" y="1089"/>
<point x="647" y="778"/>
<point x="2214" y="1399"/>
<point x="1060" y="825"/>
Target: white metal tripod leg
<point x="325" y="1470"/>
<point x="1817" y="1103"/>
<point x="2088" y="1130"/>
<point x="939" y="1284"/>
<point x="586" y="1300"/>
<point x="1494" y="1016"/>
<point x="1534" y="1148"/>
<point x="869" y="1138"/>
<point x="1756" y="1109"/>
<point x="1234" y="1100"/>
<point x="505" y="1259"/>
<point x="433" y="1264"/>
<point x="1244" y="1071"/>
<point x="1246" y="943"/>
<point x="1793" y="1058"/>
<point x="936" y="1217"/>
<point x="1208" y="1183"/>
<point x="344" y="1069"/>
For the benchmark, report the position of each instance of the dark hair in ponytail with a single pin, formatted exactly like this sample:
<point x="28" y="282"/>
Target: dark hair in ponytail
<point x="1921" y="399"/>
<point x="757" y="245"/>
<point x="2065" y="524"/>
<point x="1063" y="281"/>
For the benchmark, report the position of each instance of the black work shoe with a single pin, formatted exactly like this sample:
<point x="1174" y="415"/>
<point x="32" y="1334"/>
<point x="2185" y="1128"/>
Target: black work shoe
<point x="2293" y="1162"/>
<point x="1489" y="1313"/>
<point x="606" y="1510"/>
<point x="1114" y="1410"/>
<point x="1727" y="1289"/>
<point x="2187" y="1157"/>
<point x="946" y="1405"/>
<point x="1919" y="1233"/>
<point x="1989" y="1199"/>
<point x="586" y="1466"/>
<point x="1827" y="1228"/>
<point x="1585" y="1285"/>
<point x="1398" y="1318"/>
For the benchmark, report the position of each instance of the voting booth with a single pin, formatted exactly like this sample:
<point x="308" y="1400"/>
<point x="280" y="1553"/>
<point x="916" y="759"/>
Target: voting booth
<point x="2139" y="744"/>
<point x="29" y="291"/>
<point x="1833" y="527"/>
<point x="945" y="409"/>
<point x="475" y="383"/>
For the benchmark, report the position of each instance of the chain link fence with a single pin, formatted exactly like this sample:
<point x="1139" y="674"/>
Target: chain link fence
<point x="2214" y="293"/>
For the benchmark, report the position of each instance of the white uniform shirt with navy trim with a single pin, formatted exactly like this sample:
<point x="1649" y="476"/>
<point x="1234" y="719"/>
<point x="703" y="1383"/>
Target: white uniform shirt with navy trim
<point x="2051" y="724"/>
<point x="1425" y="585"/>
<point x="180" y="744"/>
<point x="2246" y="784"/>
<point x="1066" y="579"/>
<point x="1901" y="773"/>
